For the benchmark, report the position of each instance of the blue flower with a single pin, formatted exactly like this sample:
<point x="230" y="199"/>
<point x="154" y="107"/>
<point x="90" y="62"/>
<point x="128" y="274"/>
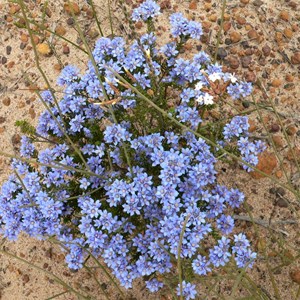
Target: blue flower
<point x="188" y="290"/>
<point x="194" y="30"/>
<point x="147" y="10"/>
<point x="68" y="75"/>
<point x="116" y="134"/>
<point x="178" y="24"/>
<point x="27" y="148"/>
<point x="237" y="127"/>
<point x="219" y="255"/>
<point x="201" y="265"/>
<point x="225" y="224"/>
<point x="154" y="285"/>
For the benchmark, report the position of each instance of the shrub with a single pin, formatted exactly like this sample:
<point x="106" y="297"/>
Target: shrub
<point x="133" y="187"/>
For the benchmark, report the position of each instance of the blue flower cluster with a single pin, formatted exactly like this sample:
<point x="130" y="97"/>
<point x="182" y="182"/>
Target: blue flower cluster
<point x="148" y="9"/>
<point x="182" y="27"/>
<point x="124" y="189"/>
<point x="238" y="129"/>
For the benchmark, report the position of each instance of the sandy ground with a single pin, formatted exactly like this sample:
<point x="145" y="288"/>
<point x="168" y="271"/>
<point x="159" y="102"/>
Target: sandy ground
<point x="261" y="41"/>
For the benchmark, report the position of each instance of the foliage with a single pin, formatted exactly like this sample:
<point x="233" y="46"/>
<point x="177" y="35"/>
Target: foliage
<point x="134" y="188"/>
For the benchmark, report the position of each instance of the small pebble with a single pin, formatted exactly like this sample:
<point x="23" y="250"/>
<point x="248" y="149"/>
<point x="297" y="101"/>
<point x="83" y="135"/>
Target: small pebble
<point x="70" y="21"/>
<point x="6" y="101"/>
<point x="289" y="78"/>
<point x="45" y="266"/>
<point x="8" y="50"/>
<point x="49" y="253"/>
<point x="234" y="62"/>
<point x="32" y="113"/>
<point x="274" y="128"/>
<point x="235" y="37"/>
<point x="292" y="4"/>
<point x="60" y="30"/>
<point x="25" y="278"/>
<point x="227" y="41"/>
<point x="250" y="76"/>
<point x="213" y="18"/>
<point x="226" y="26"/>
<point x="245" y="44"/>
<point x="24" y="38"/>
<point x="246" y="61"/>
<point x="280" y="191"/>
<point x="3" y="60"/>
<point x="166" y="4"/>
<point x="67" y="274"/>
<point x="295" y="59"/>
<point x="291" y="130"/>
<point x="241" y="20"/>
<point x="278" y="37"/>
<point x="93" y="33"/>
<point x="221" y="53"/>
<point x="16" y="138"/>
<point x="282" y="203"/>
<point x="207" y="7"/>
<point x="295" y="276"/>
<point x="66" y="49"/>
<point x="288" y="33"/>
<point x="72" y="8"/>
<point x="276" y="83"/>
<point x="193" y="5"/>
<point x="258" y="3"/>
<point x="48" y="12"/>
<point x="252" y="34"/>
<point x="246" y="104"/>
<point x="293" y="154"/>
<point x="266" y="50"/>
<point x="284" y="15"/>
<point x="278" y="141"/>
<point x="57" y="67"/>
<point x="262" y="62"/>
<point x="279" y="174"/>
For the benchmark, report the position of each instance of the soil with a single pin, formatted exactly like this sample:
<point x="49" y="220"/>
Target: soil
<point x="260" y="43"/>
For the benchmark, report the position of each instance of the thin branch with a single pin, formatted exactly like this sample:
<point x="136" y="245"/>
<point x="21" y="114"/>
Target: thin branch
<point x="266" y="224"/>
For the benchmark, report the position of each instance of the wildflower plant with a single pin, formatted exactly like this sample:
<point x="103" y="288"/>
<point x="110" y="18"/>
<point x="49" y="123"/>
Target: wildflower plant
<point x="134" y="188"/>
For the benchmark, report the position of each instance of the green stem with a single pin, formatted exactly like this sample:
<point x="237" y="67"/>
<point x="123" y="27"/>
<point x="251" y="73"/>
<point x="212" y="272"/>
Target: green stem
<point x="220" y="30"/>
<point x="110" y="19"/>
<point x="57" y="295"/>
<point x="96" y="18"/>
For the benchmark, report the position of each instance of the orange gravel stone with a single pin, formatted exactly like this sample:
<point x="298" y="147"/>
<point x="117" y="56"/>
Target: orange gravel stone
<point x="276" y="83"/>
<point x="72" y="6"/>
<point x="284" y="15"/>
<point x="295" y="276"/>
<point x="267" y="163"/>
<point x="193" y="5"/>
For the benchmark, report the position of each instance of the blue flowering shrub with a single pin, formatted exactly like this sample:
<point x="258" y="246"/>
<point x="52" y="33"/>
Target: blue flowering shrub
<point x="133" y="187"/>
